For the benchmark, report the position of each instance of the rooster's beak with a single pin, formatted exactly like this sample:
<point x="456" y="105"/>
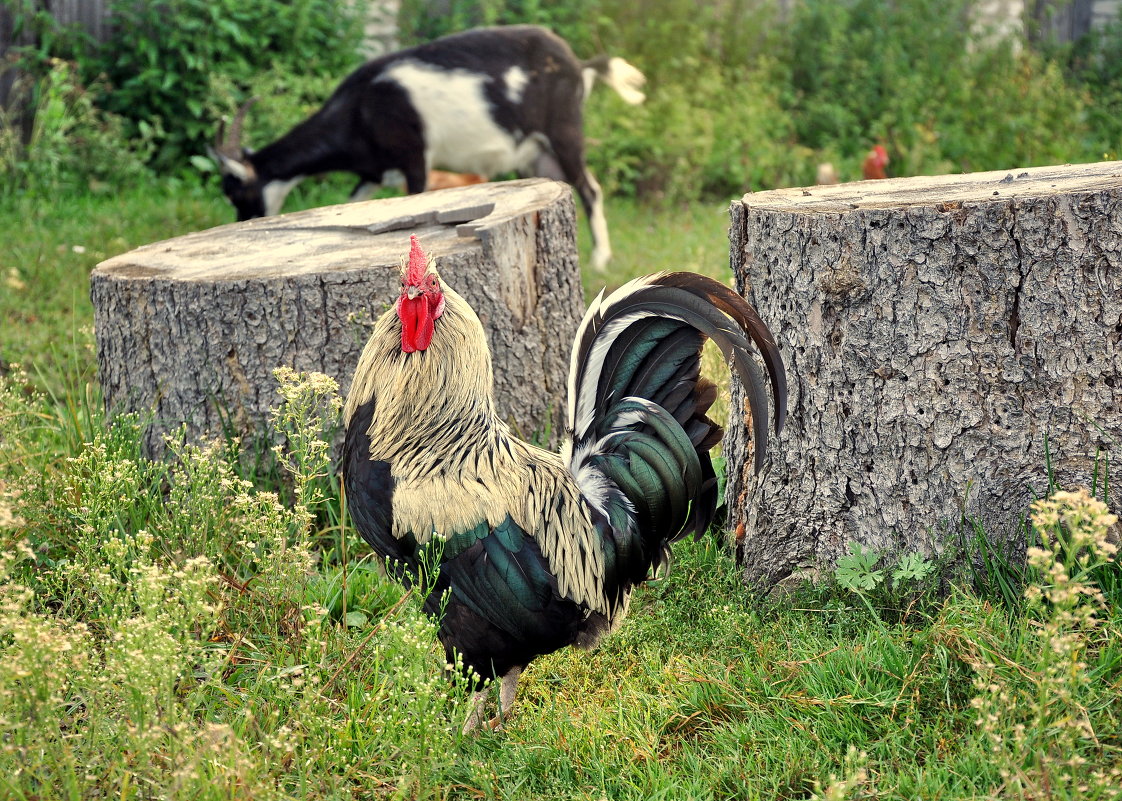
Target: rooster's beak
<point x="412" y="292"/>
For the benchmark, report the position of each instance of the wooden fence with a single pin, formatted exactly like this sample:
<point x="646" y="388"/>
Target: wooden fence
<point x="92" y="16"/>
<point x="1066" y="21"/>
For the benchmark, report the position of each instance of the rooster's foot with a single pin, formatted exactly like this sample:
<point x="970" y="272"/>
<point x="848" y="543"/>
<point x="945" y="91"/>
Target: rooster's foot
<point x="507" y="690"/>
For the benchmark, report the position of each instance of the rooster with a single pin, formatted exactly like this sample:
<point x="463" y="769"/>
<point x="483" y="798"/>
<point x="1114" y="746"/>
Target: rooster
<point x="520" y="551"/>
<point x="872" y="168"/>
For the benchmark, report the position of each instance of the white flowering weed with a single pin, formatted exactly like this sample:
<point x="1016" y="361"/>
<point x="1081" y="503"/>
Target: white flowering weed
<point x="1033" y="705"/>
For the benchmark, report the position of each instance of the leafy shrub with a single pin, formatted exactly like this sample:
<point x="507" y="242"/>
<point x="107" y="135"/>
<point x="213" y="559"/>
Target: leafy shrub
<point x="73" y="145"/>
<point x="425" y="20"/>
<point x="1094" y="63"/>
<point x="713" y="124"/>
<point x="916" y="77"/>
<point x="703" y="138"/>
<point x="161" y="58"/>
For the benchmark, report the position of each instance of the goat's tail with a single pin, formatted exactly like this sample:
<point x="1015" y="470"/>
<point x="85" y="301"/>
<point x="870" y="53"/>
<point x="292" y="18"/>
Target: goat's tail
<point x="625" y="78"/>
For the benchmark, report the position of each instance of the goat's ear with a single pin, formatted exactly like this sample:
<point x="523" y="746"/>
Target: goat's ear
<point x="229" y="165"/>
<point x="222" y="157"/>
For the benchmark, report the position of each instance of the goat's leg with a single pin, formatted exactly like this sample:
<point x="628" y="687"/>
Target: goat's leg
<point x="593" y="199"/>
<point x="364" y="190"/>
<point x="568" y="150"/>
<point x="416" y="174"/>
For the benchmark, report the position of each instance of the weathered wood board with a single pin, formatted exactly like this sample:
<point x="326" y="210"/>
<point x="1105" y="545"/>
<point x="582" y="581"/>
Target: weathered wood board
<point x="192" y="328"/>
<point x="936" y="332"/>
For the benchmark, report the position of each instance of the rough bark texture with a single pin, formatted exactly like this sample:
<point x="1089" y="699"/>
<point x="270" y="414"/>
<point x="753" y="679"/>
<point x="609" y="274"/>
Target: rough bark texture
<point x="935" y="331"/>
<point x="193" y="327"/>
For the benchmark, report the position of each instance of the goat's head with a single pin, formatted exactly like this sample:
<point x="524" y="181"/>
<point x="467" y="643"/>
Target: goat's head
<point x="240" y="181"/>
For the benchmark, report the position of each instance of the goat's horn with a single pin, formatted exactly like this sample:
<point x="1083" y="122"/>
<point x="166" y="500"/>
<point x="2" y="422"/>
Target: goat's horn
<point x="232" y="145"/>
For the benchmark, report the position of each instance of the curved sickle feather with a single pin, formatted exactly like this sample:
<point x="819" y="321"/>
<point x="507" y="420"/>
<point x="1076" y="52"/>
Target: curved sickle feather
<point x="734" y="305"/>
<point x="699" y="302"/>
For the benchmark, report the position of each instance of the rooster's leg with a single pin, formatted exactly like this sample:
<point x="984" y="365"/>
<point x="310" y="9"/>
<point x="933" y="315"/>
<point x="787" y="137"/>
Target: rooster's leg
<point x="478" y="709"/>
<point x="507" y="690"/>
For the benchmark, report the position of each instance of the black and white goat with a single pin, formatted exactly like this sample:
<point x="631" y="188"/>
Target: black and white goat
<point x="487" y="101"/>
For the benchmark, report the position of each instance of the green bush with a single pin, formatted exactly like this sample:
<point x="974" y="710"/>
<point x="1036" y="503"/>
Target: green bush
<point x="738" y="99"/>
<point x="911" y="76"/>
<point x="712" y="125"/>
<point x="162" y="57"/>
<point x="73" y="145"/>
<point x="703" y="138"/>
<point x="1095" y="64"/>
<point x="424" y="20"/>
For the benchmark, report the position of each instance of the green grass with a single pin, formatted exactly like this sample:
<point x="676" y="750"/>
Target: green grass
<point x="647" y="239"/>
<point x="285" y="666"/>
<point x="49" y="249"/>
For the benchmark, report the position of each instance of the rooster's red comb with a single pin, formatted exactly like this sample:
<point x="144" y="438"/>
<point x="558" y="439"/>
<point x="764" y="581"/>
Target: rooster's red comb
<point x="418" y="263"/>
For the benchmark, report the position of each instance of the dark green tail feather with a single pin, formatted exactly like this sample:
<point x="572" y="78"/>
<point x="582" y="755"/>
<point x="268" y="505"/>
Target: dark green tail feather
<point x="659" y="459"/>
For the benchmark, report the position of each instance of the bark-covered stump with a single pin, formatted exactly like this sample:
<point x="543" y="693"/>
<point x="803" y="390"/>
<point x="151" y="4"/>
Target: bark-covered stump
<point x="192" y="328"/>
<point x="936" y="332"/>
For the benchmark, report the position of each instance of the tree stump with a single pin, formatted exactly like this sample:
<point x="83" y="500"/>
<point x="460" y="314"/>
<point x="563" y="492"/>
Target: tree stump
<point x="939" y="335"/>
<point x="193" y="327"/>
